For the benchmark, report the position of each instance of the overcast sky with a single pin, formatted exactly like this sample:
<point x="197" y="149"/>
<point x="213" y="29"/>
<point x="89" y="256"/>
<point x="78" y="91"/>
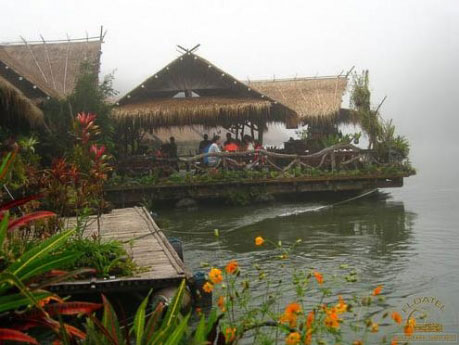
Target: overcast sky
<point x="411" y="47"/>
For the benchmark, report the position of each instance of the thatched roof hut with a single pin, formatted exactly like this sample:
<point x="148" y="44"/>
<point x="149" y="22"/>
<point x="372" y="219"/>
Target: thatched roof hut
<point x="192" y="91"/>
<point x="47" y="69"/>
<point x="16" y="110"/>
<point x="315" y="100"/>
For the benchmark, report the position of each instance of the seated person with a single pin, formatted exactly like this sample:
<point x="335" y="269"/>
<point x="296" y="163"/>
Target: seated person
<point x="204" y="144"/>
<point x="213" y="148"/>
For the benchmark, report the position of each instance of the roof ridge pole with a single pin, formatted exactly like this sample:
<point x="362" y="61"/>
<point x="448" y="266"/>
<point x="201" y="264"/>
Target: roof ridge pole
<point x="66" y="61"/>
<point x="49" y="62"/>
<point x="34" y="59"/>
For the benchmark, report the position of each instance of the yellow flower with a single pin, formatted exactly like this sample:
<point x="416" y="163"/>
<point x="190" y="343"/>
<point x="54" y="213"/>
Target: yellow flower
<point x="319" y="277"/>
<point x="232" y="267"/>
<point x="377" y="290"/>
<point x="374" y="327"/>
<point x="259" y="241"/>
<point x="293" y="338"/>
<point x="221" y="303"/>
<point x="215" y="276"/>
<point x="397" y="317"/>
<point x="230" y="334"/>
<point x="208" y="287"/>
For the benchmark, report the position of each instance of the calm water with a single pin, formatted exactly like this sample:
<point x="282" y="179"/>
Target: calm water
<point x="405" y="239"/>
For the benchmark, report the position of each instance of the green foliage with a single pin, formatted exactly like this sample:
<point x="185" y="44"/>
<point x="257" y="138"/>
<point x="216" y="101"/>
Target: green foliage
<point x="161" y="326"/>
<point x="88" y="96"/>
<point x="361" y="105"/>
<point x="108" y="257"/>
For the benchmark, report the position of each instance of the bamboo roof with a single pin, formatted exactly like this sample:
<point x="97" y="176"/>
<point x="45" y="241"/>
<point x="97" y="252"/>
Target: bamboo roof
<point x="16" y="110"/>
<point x="47" y="69"/>
<point x="192" y="91"/>
<point x="314" y="100"/>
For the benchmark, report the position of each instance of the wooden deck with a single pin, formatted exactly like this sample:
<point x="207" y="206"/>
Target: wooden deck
<point x="144" y="242"/>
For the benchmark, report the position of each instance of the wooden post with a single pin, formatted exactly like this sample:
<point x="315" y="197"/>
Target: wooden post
<point x="333" y="161"/>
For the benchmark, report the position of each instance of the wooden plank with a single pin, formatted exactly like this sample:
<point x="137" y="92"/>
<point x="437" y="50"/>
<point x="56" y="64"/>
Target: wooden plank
<point x="143" y="241"/>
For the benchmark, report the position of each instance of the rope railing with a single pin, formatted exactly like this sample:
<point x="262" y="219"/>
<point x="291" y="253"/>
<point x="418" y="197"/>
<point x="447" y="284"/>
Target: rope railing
<point x="334" y="157"/>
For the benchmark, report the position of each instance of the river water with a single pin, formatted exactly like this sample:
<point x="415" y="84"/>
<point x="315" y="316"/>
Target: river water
<point x="405" y="239"/>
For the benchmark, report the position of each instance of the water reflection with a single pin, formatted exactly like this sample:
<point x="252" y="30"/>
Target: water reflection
<point x="373" y="233"/>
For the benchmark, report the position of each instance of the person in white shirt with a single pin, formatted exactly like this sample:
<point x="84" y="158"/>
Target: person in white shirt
<point x="214" y="147"/>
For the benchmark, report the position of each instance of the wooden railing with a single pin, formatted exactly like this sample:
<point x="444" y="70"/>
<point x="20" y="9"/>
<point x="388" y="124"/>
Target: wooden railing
<point x="341" y="156"/>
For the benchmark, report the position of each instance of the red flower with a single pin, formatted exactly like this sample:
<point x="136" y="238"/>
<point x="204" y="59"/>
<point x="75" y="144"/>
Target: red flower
<point x="98" y="151"/>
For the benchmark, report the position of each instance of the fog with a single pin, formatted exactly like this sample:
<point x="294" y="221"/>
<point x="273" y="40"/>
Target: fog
<point x="411" y="48"/>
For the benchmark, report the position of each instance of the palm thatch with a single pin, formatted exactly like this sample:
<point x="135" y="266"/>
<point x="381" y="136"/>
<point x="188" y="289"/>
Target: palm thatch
<point x="209" y="111"/>
<point x="16" y="110"/>
<point x="315" y="100"/>
<point x="192" y="91"/>
<point x="47" y="69"/>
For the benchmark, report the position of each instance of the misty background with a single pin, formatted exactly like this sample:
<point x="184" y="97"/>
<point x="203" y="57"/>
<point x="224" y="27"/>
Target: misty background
<point x="411" y="48"/>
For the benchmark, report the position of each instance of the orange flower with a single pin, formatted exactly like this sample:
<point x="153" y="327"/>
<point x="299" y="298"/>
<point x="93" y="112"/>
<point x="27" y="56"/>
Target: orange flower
<point x="293" y="338"/>
<point x="374" y="327"/>
<point x="221" y="303"/>
<point x="377" y="290"/>
<point x="230" y="334"/>
<point x="357" y="342"/>
<point x="208" y="287"/>
<point x="409" y="327"/>
<point x="310" y="319"/>
<point x="232" y="267"/>
<point x="215" y="276"/>
<point x="331" y="320"/>
<point x="198" y="311"/>
<point x="290" y="314"/>
<point x="397" y="317"/>
<point x="308" y="339"/>
<point x="341" y="307"/>
<point x="293" y="308"/>
<point x="259" y="241"/>
<point x="319" y="277"/>
<point x="394" y="341"/>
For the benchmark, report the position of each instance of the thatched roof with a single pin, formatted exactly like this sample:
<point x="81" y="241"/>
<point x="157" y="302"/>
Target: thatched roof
<point x="47" y="69"/>
<point x="314" y="99"/>
<point x="192" y="91"/>
<point x="16" y="110"/>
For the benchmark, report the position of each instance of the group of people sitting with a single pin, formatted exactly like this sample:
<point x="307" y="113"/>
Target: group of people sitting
<point x="230" y="145"/>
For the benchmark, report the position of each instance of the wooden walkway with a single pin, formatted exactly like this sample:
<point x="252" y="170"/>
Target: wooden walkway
<point x="144" y="242"/>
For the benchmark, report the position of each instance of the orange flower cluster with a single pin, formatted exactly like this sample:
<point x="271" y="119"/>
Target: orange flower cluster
<point x="293" y="338"/>
<point x="215" y="276"/>
<point x="409" y="327"/>
<point x="377" y="290"/>
<point x="232" y="267"/>
<point x="319" y="277"/>
<point x="259" y="241"/>
<point x="397" y="317"/>
<point x="290" y="315"/>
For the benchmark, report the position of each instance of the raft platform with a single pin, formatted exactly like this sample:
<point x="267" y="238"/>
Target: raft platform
<point x="123" y="196"/>
<point x="144" y="242"/>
